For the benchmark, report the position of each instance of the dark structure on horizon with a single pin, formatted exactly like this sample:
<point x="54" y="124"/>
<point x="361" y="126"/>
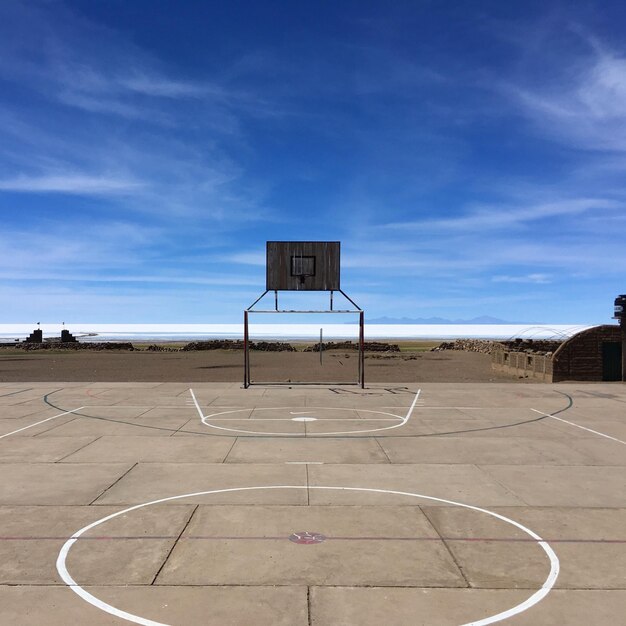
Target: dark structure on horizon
<point x="37" y="337"/>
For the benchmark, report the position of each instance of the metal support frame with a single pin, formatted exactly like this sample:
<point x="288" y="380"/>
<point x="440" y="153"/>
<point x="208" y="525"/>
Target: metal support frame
<point x="620" y="316"/>
<point x="246" y="351"/>
<point x="622" y="324"/>
<point x="362" y="349"/>
<point x="247" y="380"/>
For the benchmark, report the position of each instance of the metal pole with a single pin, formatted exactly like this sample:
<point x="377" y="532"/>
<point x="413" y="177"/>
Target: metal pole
<point x="349" y="299"/>
<point x="259" y="298"/>
<point x="321" y="346"/>
<point x="276" y="299"/>
<point x="331" y="299"/>
<point x="362" y="349"/>
<point x="622" y="324"/>
<point x="246" y="355"/>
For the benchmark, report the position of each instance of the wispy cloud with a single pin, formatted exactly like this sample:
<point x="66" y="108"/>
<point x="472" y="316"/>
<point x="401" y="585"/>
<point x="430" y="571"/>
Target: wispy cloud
<point x="537" y="279"/>
<point x="105" y="118"/>
<point x="174" y="173"/>
<point x="256" y="258"/>
<point x="584" y="108"/>
<point x="72" y="184"/>
<point x="165" y="278"/>
<point x="160" y="86"/>
<point x="494" y="217"/>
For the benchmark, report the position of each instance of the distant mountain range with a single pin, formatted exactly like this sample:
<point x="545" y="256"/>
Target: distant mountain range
<point x="483" y="319"/>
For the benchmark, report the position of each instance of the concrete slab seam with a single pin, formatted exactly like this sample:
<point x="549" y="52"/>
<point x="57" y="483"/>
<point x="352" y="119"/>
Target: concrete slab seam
<point x="94" y="601"/>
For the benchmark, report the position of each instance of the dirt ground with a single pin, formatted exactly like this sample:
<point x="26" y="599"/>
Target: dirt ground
<point x="227" y="366"/>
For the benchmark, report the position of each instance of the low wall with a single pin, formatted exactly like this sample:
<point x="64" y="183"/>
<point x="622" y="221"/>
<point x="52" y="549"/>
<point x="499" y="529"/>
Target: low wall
<point x="522" y="364"/>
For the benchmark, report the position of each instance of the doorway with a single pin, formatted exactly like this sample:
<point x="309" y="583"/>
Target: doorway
<point x="611" y="360"/>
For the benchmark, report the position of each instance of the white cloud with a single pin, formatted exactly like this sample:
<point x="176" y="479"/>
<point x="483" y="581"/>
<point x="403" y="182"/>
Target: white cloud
<point x="59" y="246"/>
<point x="506" y="215"/>
<point x="537" y="279"/>
<point x="603" y="90"/>
<point x="585" y="108"/>
<point x="247" y="258"/>
<point x="161" y="86"/>
<point x="110" y="106"/>
<point x="164" y="278"/>
<point x="71" y="184"/>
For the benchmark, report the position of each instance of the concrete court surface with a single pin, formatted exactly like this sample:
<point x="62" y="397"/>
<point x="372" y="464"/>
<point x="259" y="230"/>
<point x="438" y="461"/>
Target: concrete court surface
<point x="443" y="504"/>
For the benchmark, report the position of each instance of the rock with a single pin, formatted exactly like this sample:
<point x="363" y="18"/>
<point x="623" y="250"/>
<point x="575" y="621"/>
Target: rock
<point x="214" y="344"/>
<point x="530" y="346"/>
<point x="482" y="346"/>
<point x="108" y="345"/>
<point x="229" y="344"/>
<point x="370" y="346"/>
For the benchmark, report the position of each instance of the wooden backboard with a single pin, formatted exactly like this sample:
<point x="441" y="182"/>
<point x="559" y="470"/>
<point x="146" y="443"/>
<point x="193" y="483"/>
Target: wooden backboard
<point x="303" y="265"/>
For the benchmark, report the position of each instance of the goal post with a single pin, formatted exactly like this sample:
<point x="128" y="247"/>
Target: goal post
<point x="304" y="266"/>
<point x="324" y="352"/>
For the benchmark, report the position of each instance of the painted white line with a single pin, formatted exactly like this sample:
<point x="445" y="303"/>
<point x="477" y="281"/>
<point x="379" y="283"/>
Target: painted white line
<point x="304" y="462"/>
<point x="19" y="430"/>
<point x="147" y="407"/>
<point x="408" y="415"/>
<point x="304" y="418"/>
<point x="435" y="408"/>
<point x="595" y="432"/>
<point x="209" y="420"/>
<point x="193" y="396"/>
<point x="137" y="619"/>
<point x="190" y="403"/>
<point x="457" y="408"/>
<point x="297" y="419"/>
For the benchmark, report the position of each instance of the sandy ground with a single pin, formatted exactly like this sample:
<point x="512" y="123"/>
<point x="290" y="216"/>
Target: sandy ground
<point x="227" y="366"/>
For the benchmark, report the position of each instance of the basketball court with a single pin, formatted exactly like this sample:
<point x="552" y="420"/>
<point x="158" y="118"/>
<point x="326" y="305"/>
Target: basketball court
<point x="161" y="503"/>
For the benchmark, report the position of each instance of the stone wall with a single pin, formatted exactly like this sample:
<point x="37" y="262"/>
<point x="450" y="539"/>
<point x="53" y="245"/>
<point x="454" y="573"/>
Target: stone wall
<point x="483" y="346"/>
<point x="369" y="346"/>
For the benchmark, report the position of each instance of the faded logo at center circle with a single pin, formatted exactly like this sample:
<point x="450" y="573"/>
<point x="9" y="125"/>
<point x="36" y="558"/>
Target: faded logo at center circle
<point x="307" y="538"/>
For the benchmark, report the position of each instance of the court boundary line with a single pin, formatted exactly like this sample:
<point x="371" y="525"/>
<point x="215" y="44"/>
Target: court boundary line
<point x="595" y="432"/>
<point x="19" y="430"/>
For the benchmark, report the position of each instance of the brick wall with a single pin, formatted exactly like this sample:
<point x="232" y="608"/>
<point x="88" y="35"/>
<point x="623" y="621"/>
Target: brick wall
<point x="580" y="358"/>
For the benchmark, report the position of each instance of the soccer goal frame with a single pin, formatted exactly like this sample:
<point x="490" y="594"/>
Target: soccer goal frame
<point x="247" y="379"/>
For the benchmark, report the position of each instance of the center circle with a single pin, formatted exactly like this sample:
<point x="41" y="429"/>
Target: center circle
<point x="536" y="597"/>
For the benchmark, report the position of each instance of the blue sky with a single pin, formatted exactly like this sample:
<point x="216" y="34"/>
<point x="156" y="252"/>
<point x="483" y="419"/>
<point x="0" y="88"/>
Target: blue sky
<point x="470" y="156"/>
